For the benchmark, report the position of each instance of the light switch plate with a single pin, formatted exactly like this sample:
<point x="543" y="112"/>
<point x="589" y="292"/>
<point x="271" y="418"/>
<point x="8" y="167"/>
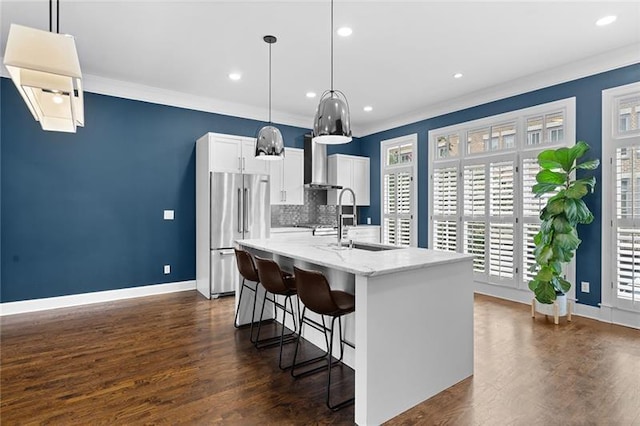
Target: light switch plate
<point x="167" y="269"/>
<point x="584" y="286"/>
<point x="168" y="215"/>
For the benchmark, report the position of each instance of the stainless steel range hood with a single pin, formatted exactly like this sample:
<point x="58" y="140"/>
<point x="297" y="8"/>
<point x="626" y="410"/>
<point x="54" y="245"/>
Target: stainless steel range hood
<point x="315" y="165"/>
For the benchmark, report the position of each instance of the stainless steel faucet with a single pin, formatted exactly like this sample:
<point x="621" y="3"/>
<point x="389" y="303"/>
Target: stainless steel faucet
<point x="345" y="216"/>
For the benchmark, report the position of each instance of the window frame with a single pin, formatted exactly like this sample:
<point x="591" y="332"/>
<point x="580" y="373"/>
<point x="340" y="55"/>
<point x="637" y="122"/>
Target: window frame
<point x="521" y="150"/>
<point x="413" y="168"/>
<point x="614" y="309"/>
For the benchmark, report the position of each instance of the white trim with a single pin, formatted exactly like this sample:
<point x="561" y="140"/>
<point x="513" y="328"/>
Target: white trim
<point x="602" y="314"/>
<point x="596" y="64"/>
<point x="617" y="58"/>
<point x="34" y="305"/>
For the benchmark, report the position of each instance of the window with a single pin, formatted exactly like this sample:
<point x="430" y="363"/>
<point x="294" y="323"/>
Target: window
<point x="399" y="190"/>
<point x="481" y="201"/>
<point x="621" y="199"/>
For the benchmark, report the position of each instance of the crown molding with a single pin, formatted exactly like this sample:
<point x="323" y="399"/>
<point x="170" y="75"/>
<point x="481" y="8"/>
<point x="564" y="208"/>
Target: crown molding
<point x="618" y="58"/>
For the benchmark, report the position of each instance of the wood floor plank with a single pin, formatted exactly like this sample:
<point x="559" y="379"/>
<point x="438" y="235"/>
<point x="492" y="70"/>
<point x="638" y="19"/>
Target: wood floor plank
<point x="176" y="359"/>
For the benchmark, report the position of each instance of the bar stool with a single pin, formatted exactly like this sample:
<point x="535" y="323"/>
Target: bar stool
<point x="248" y="271"/>
<point x="276" y="282"/>
<point x="317" y="296"/>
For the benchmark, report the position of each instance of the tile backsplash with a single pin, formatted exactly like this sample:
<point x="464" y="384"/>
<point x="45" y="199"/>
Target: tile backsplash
<point x="314" y="210"/>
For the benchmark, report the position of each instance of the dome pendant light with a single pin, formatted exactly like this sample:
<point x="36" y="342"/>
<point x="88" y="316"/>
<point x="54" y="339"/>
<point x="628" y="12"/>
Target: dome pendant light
<point x="45" y="69"/>
<point x="269" y="142"/>
<point x="332" y="124"/>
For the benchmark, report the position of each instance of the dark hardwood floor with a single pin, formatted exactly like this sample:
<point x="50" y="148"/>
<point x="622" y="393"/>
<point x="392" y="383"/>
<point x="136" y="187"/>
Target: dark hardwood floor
<point x="176" y="359"/>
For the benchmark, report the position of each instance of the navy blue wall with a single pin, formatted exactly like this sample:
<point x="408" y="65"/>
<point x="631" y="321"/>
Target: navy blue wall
<point x="83" y="212"/>
<point x="588" y="93"/>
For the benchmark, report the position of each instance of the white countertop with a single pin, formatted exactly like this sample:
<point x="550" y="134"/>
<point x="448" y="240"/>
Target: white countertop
<point x="323" y="251"/>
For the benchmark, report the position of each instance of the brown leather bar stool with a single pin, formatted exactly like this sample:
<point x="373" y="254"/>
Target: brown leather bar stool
<point x="248" y="271"/>
<point x="277" y="282"/>
<point x="316" y="295"/>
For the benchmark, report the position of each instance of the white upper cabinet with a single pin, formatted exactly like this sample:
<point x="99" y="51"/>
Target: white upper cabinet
<point x="234" y="154"/>
<point x="287" y="178"/>
<point x="348" y="171"/>
<point x="250" y="164"/>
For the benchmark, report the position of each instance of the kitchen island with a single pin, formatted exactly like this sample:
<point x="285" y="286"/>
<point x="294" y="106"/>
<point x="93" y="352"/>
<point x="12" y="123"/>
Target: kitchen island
<point x="413" y="324"/>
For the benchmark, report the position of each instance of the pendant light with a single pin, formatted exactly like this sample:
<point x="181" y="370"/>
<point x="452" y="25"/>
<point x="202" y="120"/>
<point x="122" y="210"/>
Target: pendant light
<point x="269" y="143"/>
<point x="332" y="123"/>
<point x="45" y="69"/>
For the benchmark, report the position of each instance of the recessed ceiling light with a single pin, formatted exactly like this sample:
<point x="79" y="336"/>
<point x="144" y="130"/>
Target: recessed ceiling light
<point x="457" y="75"/>
<point x="345" y="31"/>
<point x="368" y="108"/>
<point x="606" y="20"/>
<point x="235" y="76"/>
<point x="311" y="94"/>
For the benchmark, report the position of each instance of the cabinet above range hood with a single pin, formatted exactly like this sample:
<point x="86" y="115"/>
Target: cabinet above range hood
<point x="315" y="165"/>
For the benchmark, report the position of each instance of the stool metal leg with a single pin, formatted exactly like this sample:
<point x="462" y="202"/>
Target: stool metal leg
<point x="349" y="401"/>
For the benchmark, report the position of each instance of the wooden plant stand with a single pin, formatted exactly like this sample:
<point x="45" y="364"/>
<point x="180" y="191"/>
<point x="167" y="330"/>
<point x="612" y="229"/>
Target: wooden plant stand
<point x="556" y="310"/>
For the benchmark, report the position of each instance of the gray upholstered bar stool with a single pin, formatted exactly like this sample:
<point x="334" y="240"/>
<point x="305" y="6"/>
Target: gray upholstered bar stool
<point x="277" y="283"/>
<point x="248" y="271"/>
<point x="316" y="295"/>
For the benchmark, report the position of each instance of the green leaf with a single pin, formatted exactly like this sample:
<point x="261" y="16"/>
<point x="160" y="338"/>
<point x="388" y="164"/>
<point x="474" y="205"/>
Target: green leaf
<point x="571" y="210"/>
<point x="590" y="182"/>
<point x="577" y="190"/>
<point x="543" y="256"/>
<point x="566" y="242"/>
<point x="547" y="160"/>
<point x="561" y="225"/>
<point x="582" y="211"/>
<point x="547" y="176"/>
<point x="545" y="226"/>
<point x="563" y="156"/>
<point x="537" y="238"/>
<point x="533" y="284"/>
<point x="562" y="285"/>
<point x="556" y="206"/>
<point x="588" y="219"/>
<point x="589" y="165"/>
<point x="545" y="292"/>
<point x="543" y="188"/>
<point x="544" y="274"/>
<point x="578" y="150"/>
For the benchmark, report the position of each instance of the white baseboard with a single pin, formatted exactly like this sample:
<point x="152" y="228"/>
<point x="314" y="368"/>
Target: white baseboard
<point x="604" y="314"/>
<point x="34" y="305"/>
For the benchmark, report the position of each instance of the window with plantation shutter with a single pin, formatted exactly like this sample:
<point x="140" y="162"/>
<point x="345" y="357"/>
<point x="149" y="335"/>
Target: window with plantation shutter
<point x="480" y="197"/>
<point x="398" y="191"/>
<point x="621" y="203"/>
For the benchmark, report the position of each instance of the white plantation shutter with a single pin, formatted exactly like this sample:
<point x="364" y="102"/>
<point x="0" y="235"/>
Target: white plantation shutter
<point x="627" y="227"/>
<point x="628" y="265"/>
<point x="474" y="190"/>
<point x="445" y="208"/>
<point x="501" y="220"/>
<point x="397" y="208"/>
<point x="474" y="243"/>
<point x="529" y="230"/>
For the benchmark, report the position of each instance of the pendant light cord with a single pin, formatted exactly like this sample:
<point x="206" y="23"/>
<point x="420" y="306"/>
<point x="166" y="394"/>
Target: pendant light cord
<point x="269" y="83"/>
<point x="332" y="46"/>
<point x="57" y="16"/>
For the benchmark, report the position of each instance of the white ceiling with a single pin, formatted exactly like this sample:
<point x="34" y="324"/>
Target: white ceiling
<point x="400" y="59"/>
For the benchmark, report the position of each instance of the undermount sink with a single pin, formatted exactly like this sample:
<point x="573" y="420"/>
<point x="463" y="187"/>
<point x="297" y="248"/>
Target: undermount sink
<point x="361" y="246"/>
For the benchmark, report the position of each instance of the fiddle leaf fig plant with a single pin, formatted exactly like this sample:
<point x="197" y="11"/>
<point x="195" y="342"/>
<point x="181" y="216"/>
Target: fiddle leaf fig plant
<point x="557" y="241"/>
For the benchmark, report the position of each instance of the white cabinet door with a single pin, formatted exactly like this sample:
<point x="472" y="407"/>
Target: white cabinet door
<point x="360" y="180"/>
<point x="225" y="153"/>
<point x="275" y="182"/>
<point x="293" y="176"/>
<point x="250" y="164"/>
<point x="287" y="178"/>
<point x="349" y="171"/>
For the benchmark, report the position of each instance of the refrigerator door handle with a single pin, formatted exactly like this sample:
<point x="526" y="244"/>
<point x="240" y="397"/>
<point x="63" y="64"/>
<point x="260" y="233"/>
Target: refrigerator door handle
<point x="246" y="210"/>
<point x="239" y="212"/>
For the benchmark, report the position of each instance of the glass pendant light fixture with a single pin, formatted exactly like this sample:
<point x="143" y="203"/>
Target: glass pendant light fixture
<point x="332" y="124"/>
<point x="45" y="69"/>
<point x="269" y="142"/>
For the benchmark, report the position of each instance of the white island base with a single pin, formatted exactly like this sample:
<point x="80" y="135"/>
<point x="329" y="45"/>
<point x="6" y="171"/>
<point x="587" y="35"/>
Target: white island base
<point x="413" y="324"/>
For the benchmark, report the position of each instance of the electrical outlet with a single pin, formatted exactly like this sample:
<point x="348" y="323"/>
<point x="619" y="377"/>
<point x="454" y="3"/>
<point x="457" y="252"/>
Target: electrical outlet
<point x="584" y="286"/>
<point x="168" y="215"/>
<point x="167" y="269"/>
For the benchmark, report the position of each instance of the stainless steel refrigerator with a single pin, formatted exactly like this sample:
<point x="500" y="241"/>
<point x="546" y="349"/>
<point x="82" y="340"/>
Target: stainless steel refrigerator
<point x="239" y="208"/>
